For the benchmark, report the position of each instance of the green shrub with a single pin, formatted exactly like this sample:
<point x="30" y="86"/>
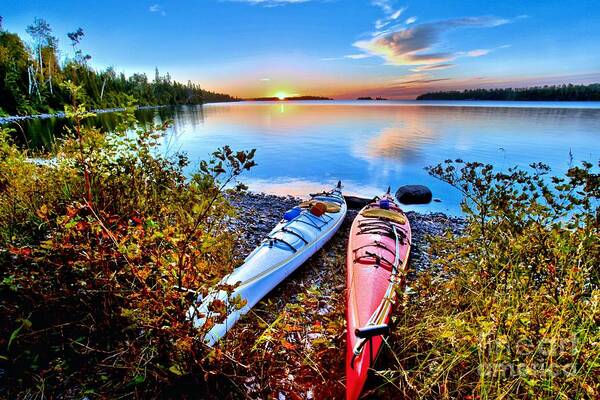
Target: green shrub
<point x="512" y="309"/>
<point x="96" y="245"/>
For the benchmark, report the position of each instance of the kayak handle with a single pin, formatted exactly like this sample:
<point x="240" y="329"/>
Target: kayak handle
<point x="366" y="334"/>
<point x="369" y="331"/>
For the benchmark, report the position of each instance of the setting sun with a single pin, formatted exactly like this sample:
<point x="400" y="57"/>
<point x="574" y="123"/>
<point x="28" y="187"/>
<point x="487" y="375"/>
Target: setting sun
<point x="281" y="95"/>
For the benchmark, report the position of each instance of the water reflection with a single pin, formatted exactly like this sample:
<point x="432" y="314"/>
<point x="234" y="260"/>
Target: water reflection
<point x="40" y="134"/>
<point x="402" y="141"/>
<point x="305" y="146"/>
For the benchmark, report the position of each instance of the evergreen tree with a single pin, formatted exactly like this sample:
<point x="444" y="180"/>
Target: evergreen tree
<point x="30" y="77"/>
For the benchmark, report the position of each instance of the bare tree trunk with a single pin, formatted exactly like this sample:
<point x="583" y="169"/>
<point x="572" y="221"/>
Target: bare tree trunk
<point x="102" y="91"/>
<point x="50" y="77"/>
<point x="36" y="86"/>
<point x="41" y="61"/>
<point x="30" y="84"/>
<point x="33" y="84"/>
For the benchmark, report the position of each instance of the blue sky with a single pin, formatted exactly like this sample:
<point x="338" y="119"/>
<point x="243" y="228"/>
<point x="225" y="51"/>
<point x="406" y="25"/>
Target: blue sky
<point x="337" y="48"/>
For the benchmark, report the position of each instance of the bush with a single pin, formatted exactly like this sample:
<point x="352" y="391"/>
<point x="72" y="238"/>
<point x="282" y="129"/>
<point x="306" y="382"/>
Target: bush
<point x="512" y="310"/>
<point x="96" y="246"/>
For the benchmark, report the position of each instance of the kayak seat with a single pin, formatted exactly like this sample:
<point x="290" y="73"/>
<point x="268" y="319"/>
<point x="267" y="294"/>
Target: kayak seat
<point x="330" y="206"/>
<point x="385" y="214"/>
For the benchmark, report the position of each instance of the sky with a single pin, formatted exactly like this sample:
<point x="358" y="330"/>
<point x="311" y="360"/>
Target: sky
<point x="335" y="48"/>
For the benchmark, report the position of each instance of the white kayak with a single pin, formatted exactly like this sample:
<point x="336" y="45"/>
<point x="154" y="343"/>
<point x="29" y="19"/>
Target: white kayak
<point x="301" y="233"/>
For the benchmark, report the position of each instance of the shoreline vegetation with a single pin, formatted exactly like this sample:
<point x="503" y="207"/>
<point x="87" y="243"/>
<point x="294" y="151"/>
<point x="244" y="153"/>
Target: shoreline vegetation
<point x="32" y="71"/>
<point x="564" y="92"/>
<point x="103" y="255"/>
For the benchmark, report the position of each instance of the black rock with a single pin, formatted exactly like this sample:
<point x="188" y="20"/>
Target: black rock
<point x="354" y="202"/>
<point x="414" y="194"/>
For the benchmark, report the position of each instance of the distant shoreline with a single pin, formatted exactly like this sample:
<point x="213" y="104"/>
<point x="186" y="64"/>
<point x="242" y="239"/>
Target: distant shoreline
<point x="297" y="98"/>
<point x="563" y="93"/>
<point x="513" y="100"/>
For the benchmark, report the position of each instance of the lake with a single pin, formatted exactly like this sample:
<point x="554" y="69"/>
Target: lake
<point x="370" y="145"/>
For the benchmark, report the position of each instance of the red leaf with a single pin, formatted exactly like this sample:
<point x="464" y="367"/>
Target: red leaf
<point x="21" y="251"/>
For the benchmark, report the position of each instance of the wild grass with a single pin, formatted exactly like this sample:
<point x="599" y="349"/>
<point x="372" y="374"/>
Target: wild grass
<point x="512" y="308"/>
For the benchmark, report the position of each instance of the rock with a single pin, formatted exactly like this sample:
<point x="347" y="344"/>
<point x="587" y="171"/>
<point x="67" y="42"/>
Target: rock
<point x="354" y="202"/>
<point x="414" y="194"/>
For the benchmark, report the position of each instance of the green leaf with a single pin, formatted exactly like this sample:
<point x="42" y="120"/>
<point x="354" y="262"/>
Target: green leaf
<point x="25" y="323"/>
<point x="176" y="369"/>
<point x="139" y="379"/>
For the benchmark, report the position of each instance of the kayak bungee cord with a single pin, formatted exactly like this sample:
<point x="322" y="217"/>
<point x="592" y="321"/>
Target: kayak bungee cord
<point x="297" y="219"/>
<point x="380" y="314"/>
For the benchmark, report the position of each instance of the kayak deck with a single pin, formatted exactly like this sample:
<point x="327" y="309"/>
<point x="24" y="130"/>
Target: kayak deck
<point x="378" y="251"/>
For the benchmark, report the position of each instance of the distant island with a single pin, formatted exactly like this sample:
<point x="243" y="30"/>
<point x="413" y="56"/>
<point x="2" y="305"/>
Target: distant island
<point x="568" y="92"/>
<point x="370" y="98"/>
<point x="274" y="98"/>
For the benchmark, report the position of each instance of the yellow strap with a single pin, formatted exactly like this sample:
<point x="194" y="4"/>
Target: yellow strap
<point x="387" y="214"/>
<point x="331" y="207"/>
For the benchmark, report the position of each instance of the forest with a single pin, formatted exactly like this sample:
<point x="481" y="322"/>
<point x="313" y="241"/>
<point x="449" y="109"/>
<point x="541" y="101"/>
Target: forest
<point x="568" y="92"/>
<point x="33" y="71"/>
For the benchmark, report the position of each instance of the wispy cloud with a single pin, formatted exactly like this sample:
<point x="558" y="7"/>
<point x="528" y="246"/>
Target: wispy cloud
<point x="433" y="67"/>
<point x="383" y="22"/>
<point x="413" y="45"/>
<point x="410" y="20"/>
<point x="390" y="14"/>
<point x="416" y="78"/>
<point x="385" y="5"/>
<point x="265" y="79"/>
<point x="155" y="8"/>
<point x="359" y="56"/>
<point x="269" y="3"/>
<point x="478" y="52"/>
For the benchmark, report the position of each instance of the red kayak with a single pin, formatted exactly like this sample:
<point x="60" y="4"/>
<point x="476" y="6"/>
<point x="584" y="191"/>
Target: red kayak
<point x="377" y="262"/>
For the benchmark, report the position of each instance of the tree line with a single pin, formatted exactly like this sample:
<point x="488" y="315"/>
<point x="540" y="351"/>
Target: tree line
<point x="565" y="92"/>
<point x="33" y="70"/>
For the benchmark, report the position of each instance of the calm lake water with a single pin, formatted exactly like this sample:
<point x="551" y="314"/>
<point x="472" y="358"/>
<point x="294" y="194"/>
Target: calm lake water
<point x="305" y="146"/>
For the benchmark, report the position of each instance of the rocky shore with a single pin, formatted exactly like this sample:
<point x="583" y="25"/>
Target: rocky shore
<point x="61" y="114"/>
<point x="258" y="214"/>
